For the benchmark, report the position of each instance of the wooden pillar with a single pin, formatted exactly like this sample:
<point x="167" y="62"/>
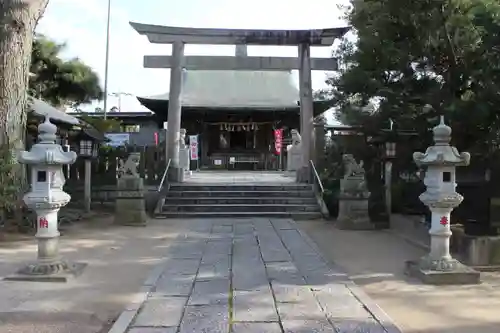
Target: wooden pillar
<point x="176" y="174"/>
<point x="306" y="111"/>
<point x="205" y="146"/>
<point x="87" y="194"/>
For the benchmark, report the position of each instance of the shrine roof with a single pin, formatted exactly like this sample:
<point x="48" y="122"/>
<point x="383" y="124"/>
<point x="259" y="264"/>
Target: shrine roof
<point x="235" y="89"/>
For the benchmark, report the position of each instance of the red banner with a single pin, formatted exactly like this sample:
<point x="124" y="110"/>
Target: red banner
<point x="278" y="140"/>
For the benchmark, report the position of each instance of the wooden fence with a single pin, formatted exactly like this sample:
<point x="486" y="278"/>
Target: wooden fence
<point x="104" y="172"/>
<point x="105" y="166"/>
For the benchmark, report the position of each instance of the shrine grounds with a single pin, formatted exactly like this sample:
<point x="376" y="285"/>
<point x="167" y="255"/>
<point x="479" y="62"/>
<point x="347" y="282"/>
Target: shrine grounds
<point x="121" y="258"/>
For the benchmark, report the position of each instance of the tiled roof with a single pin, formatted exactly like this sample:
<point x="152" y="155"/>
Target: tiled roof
<point x="234" y="89"/>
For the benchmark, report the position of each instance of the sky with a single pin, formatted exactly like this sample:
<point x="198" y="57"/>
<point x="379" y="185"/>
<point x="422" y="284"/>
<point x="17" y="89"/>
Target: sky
<point x="81" y="24"/>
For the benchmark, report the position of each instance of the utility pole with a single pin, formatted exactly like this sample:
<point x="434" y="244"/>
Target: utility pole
<point x="106" y="67"/>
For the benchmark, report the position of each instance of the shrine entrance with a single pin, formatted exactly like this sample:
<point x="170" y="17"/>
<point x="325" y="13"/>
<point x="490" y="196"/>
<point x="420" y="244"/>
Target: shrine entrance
<point x="213" y="91"/>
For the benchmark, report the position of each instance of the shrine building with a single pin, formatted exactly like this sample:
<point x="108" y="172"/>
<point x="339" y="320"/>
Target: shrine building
<point x="234" y="113"/>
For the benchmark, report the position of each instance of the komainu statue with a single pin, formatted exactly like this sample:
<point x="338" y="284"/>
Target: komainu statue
<point x="353" y="196"/>
<point x="182" y="139"/>
<point x="296" y="138"/>
<point x="351" y="167"/>
<point x="130" y="166"/>
<point x="294" y="151"/>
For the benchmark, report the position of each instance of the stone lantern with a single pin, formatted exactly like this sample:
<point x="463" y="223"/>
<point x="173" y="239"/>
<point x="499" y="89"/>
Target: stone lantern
<point x="438" y="267"/>
<point x="46" y="197"/>
<point x="88" y="149"/>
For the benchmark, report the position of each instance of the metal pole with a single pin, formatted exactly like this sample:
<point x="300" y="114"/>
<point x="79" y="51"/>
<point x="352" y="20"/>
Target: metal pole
<point x="107" y="61"/>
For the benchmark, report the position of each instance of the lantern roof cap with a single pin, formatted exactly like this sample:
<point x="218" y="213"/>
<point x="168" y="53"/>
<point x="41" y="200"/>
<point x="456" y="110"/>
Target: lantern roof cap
<point x="46" y="151"/>
<point x="441" y="153"/>
<point x="442" y="133"/>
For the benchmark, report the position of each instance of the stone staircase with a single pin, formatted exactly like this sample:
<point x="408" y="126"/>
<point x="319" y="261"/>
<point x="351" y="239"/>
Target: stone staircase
<point x="240" y="200"/>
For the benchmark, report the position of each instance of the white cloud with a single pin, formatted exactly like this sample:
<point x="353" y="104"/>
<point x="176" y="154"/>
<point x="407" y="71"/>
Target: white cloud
<point x="82" y="25"/>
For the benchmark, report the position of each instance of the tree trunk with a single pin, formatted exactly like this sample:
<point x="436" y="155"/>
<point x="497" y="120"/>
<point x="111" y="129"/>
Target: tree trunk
<point x="17" y="25"/>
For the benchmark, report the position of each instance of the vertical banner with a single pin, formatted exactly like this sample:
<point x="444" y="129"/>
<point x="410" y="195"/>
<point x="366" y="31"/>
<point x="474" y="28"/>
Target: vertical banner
<point x="193" y="147"/>
<point x="278" y="140"/>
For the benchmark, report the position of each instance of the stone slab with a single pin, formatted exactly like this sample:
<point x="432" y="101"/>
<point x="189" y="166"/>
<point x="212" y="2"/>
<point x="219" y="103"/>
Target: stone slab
<point x="461" y="275"/>
<point x="181" y="266"/>
<point x="75" y="270"/>
<point x="309" y="326"/>
<point x="306" y="309"/>
<point x="210" y="292"/>
<point x="205" y="319"/>
<point x="250" y="279"/>
<point x="256" y="328"/>
<point x="165" y="311"/>
<point x="282" y="224"/>
<point x="173" y="285"/>
<point x="254" y="306"/>
<point x="153" y="330"/>
<point x="290" y="292"/>
<point x="217" y="270"/>
<point x="275" y="270"/>
<point x="358" y="326"/>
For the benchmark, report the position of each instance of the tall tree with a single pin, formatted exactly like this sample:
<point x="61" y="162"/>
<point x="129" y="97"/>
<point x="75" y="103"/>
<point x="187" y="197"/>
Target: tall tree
<point x="409" y="54"/>
<point x="18" y="21"/>
<point x="58" y="81"/>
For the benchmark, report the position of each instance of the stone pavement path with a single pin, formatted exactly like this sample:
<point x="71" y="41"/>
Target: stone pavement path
<point x="247" y="276"/>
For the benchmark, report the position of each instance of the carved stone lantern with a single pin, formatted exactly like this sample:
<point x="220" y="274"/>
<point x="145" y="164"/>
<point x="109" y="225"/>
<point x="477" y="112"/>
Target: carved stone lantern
<point x="438" y="267"/>
<point x="46" y="197"/>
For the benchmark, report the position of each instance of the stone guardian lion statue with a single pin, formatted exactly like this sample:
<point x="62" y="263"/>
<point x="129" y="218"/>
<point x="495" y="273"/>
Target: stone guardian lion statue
<point x="352" y="168"/>
<point x="130" y="166"/>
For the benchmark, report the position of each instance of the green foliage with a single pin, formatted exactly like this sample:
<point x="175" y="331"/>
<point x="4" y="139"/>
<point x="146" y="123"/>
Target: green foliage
<point x="8" y="178"/>
<point x="409" y="54"/>
<point x="61" y="82"/>
<point x="101" y="124"/>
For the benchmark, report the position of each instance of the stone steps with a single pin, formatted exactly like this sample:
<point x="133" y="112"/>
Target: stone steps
<point x="240" y="193"/>
<point x="240" y="187"/>
<point x="194" y="215"/>
<point x="240" y="208"/>
<point x="240" y="200"/>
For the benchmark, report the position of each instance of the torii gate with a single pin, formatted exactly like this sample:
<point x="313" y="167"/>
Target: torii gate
<point x="178" y="37"/>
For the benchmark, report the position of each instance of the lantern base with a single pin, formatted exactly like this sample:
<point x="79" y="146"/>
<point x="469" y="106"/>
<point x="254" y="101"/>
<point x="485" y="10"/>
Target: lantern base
<point x="457" y="274"/>
<point x="48" y="271"/>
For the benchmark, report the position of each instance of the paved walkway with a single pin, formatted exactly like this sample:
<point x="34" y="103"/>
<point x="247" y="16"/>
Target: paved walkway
<point x="249" y="276"/>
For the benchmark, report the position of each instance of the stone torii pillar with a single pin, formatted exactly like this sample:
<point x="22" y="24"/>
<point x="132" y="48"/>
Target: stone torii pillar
<point x="306" y="111"/>
<point x="174" y="112"/>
